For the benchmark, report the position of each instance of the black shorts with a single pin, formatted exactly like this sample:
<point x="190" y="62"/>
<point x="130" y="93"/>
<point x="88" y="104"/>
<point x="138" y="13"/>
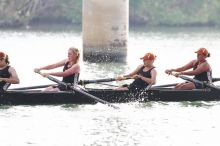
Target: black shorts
<point x="199" y="86"/>
<point x="125" y="85"/>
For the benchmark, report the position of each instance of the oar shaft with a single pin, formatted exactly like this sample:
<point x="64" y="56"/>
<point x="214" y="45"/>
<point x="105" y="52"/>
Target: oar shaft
<point x="166" y="85"/>
<point x="174" y="84"/>
<point x="94" y="97"/>
<point x="32" y="87"/>
<point x="198" y="82"/>
<point x="82" y="92"/>
<point x="56" y="80"/>
<point x="83" y="82"/>
<point x="215" y="79"/>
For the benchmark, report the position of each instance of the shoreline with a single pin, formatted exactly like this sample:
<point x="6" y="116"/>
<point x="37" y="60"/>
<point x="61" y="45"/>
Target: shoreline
<point x="68" y="26"/>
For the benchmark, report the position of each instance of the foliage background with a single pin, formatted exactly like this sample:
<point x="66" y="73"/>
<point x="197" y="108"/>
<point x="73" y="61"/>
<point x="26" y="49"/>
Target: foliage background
<point x="19" y="13"/>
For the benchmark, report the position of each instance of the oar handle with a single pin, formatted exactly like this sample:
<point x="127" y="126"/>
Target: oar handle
<point x="42" y="74"/>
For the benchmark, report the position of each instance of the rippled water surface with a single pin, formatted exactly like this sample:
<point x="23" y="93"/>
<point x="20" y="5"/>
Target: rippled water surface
<point x="153" y="123"/>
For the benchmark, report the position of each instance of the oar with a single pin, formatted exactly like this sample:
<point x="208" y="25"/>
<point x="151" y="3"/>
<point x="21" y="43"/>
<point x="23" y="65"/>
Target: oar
<point x="166" y="85"/>
<point x="83" y="82"/>
<point x="174" y="84"/>
<point x="197" y="81"/>
<point x="80" y="91"/>
<point x="33" y="87"/>
<point x="108" y="84"/>
<point x="215" y="79"/>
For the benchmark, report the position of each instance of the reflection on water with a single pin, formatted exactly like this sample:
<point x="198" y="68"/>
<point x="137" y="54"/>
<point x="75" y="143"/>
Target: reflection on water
<point x="199" y="104"/>
<point x="70" y="107"/>
<point x="151" y="123"/>
<point x="4" y="107"/>
<point x="134" y="124"/>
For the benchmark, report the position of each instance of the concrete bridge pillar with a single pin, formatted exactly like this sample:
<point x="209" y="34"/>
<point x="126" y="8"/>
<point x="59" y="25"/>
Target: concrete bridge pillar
<point x="105" y="30"/>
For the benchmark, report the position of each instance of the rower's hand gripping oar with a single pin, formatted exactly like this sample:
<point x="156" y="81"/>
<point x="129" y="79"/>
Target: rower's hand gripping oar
<point x="78" y="90"/>
<point x="83" y="82"/>
<point x="196" y="81"/>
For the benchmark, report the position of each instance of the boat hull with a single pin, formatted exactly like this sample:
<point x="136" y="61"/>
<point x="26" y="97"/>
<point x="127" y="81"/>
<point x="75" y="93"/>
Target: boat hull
<point x="112" y="96"/>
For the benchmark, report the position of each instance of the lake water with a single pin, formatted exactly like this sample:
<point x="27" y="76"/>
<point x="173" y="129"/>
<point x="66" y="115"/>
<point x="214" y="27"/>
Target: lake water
<point x="153" y="123"/>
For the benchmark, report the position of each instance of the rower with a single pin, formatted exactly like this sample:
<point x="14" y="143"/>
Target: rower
<point x="8" y="74"/>
<point x="143" y="75"/>
<point x="70" y="71"/>
<point x="201" y="71"/>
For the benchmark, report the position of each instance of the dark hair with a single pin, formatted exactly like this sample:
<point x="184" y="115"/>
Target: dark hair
<point x="7" y="59"/>
<point x="208" y="55"/>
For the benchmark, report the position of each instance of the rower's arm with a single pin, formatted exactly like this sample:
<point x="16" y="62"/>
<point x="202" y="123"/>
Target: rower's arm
<point x="134" y="72"/>
<point x="185" y="67"/>
<point x="14" y="77"/>
<point x="51" y="66"/>
<point x="74" y="69"/>
<point x="202" y="68"/>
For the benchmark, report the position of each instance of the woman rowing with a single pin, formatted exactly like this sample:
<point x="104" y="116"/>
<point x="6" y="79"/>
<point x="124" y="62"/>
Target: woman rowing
<point x="201" y="70"/>
<point x="70" y="71"/>
<point x="8" y="74"/>
<point x="144" y="74"/>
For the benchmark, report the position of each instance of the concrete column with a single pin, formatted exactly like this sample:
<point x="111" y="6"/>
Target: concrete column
<point x="105" y="30"/>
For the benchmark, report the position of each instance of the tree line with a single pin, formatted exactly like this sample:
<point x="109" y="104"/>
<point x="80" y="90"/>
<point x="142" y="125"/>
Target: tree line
<point x="18" y="13"/>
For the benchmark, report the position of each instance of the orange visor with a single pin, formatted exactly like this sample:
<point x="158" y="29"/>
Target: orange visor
<point x="149" y="56"/>
<point x="203" y="51"/>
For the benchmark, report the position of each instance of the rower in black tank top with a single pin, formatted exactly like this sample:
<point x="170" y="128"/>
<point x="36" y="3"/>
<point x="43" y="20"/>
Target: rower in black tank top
<point x="4" y="73"/>
<point x="204" y="76"/>
<point x="73" y="79"/>
<point x="138" y="83"/>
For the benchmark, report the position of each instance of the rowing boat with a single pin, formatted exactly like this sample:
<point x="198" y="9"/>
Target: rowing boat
<point x="79" y="95"/>
<point x="37" y="97"/>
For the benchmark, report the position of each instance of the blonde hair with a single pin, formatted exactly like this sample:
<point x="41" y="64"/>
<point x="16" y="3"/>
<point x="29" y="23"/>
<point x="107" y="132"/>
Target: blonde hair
<point x="76" y="51"/>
